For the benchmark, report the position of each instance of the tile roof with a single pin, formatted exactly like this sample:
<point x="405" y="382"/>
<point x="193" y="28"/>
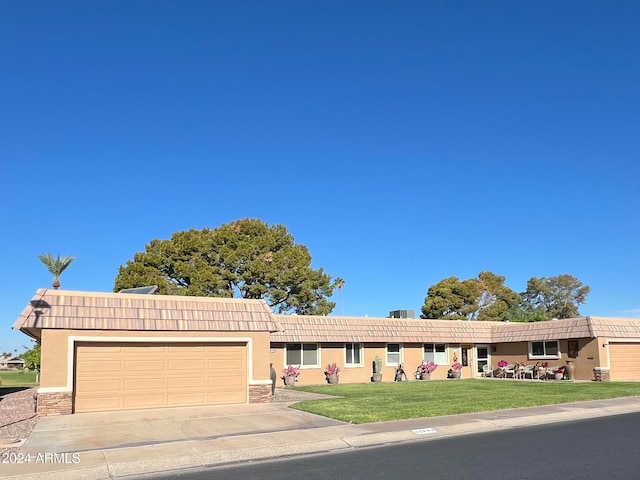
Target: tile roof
<point x="303" y="328"/>
<point x="615" y="327"/>
<point x="552" y="330"/>
<point x="364" y="329"/>
<point x="65" y="309"/>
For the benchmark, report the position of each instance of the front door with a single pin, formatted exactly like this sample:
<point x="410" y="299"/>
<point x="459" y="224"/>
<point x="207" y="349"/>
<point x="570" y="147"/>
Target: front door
<point x="482" y="358"/>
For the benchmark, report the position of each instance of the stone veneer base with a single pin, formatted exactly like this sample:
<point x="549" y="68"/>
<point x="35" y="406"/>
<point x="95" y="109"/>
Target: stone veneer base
<point x="59" y="403"/>
<point x="260" y="394"/>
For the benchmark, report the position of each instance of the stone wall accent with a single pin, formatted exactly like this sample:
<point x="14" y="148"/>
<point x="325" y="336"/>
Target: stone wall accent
<point x="260" y="394"/>
<point x="58" y="403"/>
<point x="601" y="374"/>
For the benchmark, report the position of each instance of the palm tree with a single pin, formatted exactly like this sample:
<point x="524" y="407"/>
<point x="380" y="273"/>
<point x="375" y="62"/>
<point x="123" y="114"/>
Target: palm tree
<point x="55" y="266"/>
<point x="339" y="283"/>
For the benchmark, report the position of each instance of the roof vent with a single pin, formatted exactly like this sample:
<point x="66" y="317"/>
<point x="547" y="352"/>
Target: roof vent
<point x="402" y="314"/>
<point x="140" y="290"/>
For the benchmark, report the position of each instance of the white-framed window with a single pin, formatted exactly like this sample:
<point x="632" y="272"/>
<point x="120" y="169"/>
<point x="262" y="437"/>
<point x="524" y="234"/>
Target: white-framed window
<point x="353" y="355"/>
<point x="436" y="353"/>
<point x="544" y="349"/>
<point x="303" y="354"/>
<point x="393" y="354"/>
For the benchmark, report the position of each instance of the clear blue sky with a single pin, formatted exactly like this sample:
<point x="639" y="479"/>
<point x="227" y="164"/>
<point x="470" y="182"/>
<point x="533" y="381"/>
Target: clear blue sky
<point x="401" y="142"/>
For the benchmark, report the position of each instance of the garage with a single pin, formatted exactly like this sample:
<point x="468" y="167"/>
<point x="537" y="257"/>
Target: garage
<point x="129" y="375"/>
<point x="624" y="360"/>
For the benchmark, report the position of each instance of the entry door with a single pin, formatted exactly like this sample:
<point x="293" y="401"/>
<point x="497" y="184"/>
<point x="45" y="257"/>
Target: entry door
<point x="482" y="358"/>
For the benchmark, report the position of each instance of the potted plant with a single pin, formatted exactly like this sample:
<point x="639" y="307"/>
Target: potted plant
<point x="332" y="374"/>
<point x="425" y="369"/>
<point x="502" y="365"/>
<point x="291" y="375"/>
<point x="455" y="370"/>
<point x="377" y="370"/>
<point x="559" y="373"/>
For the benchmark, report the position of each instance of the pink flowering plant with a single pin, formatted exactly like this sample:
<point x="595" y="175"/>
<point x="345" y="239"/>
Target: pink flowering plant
<point x="427" y="367"/>
<point x="456" y="367"/>
<point x="332" y="369"/>
<point x="291" y="371"/>
<point x="502" y="363"/>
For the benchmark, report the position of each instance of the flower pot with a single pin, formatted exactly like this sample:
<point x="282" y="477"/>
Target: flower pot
<point x="333" y="379"/>
<point x="455" y="374"/>
<point x="289" y="381"/>
<point x="559" y="376"/>
<point x="377" y="377"/>
<point x="426" y="376"/>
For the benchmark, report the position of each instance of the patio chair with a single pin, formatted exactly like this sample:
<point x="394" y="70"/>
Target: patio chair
<point x="551" y="371"/>
<point x="528" y="371"/>
<point x="510" y="371"/>
<point x="487" y="370"/>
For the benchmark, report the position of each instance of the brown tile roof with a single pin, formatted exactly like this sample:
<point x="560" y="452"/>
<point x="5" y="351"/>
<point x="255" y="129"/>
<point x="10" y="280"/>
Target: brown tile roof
<point x="552" y="330"/>
<point x="615" y="327"/>
<point x="64" y="309"/>
<point x="365" y="329"/>
<point x="302" y="328"/>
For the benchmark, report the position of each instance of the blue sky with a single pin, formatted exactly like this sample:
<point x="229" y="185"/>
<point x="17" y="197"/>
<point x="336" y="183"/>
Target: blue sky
<point x="401" y="142"/>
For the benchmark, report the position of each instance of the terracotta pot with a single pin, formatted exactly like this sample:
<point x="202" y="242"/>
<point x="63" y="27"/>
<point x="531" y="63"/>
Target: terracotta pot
<point x="571" y="370"/>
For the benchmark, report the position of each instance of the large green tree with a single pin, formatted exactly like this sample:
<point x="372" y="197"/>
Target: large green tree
<point x="555" y="297"/>
<point x="245" y="258"/>
<point x="484" y="298"/>
<point x="494" y="299"/>
<point x="450" y="299"/>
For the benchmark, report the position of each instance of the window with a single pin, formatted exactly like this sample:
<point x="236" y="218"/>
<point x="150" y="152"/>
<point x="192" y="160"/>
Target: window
<point x="548" y="349"/>
<point x="393" y="354"/>
<point x="353" y="355"/>
<point x="303" y="354"/>
<point x="436" y="353"/>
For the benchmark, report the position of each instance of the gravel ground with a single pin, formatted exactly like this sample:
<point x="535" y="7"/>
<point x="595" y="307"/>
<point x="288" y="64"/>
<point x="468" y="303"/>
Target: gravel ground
<point x="17" y="418"/>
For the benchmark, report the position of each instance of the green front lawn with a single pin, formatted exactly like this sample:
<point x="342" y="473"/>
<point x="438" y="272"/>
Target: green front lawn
<point x="378" y="402"/>
<point x="18" y="379"/>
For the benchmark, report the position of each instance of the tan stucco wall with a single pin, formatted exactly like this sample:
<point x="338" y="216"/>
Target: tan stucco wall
<point x="55" y="349"/>
<point x="587" y="359"/>
<point x="335" y="352"/>
<point x="53" y="358"/>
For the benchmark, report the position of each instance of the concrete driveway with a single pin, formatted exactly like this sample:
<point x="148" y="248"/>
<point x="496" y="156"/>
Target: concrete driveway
<point x="106" y="430"/>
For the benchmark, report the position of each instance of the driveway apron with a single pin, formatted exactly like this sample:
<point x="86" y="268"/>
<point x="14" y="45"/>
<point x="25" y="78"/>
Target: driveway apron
<point x="106" y="430"/>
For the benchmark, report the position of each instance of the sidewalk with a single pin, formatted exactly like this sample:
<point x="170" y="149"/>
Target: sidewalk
<point x="173" y="439"/>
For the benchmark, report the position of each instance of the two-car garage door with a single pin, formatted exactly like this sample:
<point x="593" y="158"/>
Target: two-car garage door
<point x="624" y="360"/>
<point x="123" y="376"/>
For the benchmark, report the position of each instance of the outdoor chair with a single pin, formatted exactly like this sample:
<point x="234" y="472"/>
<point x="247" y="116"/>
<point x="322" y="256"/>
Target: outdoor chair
<point x="510" y="370"/>
<point x="528" y="371"/>
<point x="487" y="370"/>
<point x="551" y="371"/>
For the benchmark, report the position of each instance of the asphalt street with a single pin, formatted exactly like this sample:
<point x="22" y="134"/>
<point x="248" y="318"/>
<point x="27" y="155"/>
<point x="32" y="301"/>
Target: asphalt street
<point x="596" y="449"/>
